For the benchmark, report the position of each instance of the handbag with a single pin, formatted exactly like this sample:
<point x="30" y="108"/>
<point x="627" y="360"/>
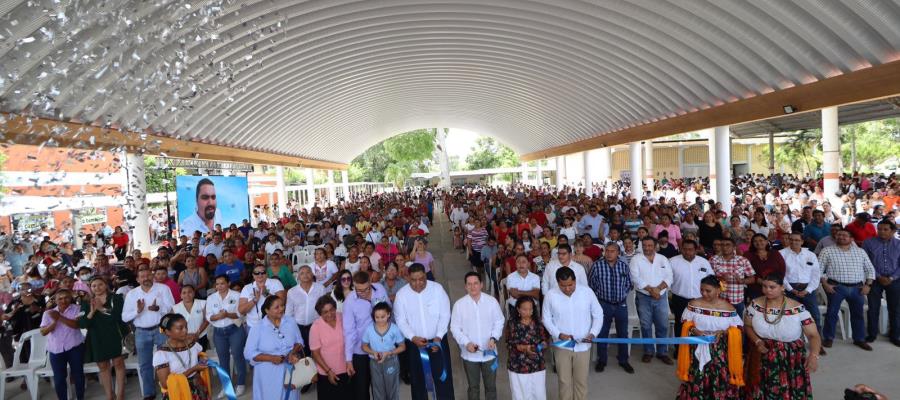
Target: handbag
<point x="301" y="373"/>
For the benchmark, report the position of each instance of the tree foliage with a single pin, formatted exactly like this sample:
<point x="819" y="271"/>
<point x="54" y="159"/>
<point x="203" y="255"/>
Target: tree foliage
<point x="395" y="159"/>
<point x="156" y="177"/>
<point x="488" y="153"/>
<point x="876" y="142"/>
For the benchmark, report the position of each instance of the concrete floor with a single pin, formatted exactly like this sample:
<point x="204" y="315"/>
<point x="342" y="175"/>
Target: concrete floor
<point x="844" y="366"/>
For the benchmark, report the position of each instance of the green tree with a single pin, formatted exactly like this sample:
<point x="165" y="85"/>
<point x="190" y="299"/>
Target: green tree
<point x="876" y="142"/>
<point x="488" y="153"/>
<point x="395" y="159"/>
<point x="156" y="177"/>
<point x="802" y="153"/>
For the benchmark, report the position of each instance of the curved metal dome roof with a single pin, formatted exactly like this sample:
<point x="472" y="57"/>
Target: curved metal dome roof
<point x="327" y="79"/>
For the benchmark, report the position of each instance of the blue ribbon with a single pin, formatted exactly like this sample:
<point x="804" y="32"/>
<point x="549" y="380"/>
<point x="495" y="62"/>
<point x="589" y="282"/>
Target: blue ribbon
<point x="667" y="341"/>
<point x="565" y="344"/>
<point x="426" y="367"/>
<point x="488" y="353"/>
<point x="289" y="371"/>
<point x="224" y="378"/>
<point x="570" y="343"/>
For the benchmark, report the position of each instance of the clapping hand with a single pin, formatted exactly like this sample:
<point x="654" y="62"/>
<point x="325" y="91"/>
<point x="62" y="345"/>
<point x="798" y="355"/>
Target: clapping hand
<point x="153" y="307"/>
<point x="140" y="305"/>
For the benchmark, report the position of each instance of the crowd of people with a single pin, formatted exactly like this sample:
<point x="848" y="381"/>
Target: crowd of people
<point x="549" y="271"/>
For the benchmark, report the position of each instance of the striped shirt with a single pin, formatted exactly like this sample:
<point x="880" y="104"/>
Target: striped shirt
<point x="477" y="238"/>
<point x="611" y="284"/>
<point x="849" y="266"/>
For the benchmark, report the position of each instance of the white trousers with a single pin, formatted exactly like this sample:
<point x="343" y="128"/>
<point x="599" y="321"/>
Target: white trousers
<point x="528" y="386"/>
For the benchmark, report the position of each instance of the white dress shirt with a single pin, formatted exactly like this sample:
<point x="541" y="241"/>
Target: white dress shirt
<point x="644" y="273"/>
<point x="686" y="275"/>
<point x="802" y="267"/>
<point x="302" y="304"/>
<point x="524" y="284"/>
<point x="476" y="322"/>
<point x="194" y="317"/>
<point x="425" y="314"/>
<point x="253" y="316"/>
<point x="159" y="293"/>
<point x="569" y="315"/>
<point x="215" y="303"/>
<point x="548" y="282"/>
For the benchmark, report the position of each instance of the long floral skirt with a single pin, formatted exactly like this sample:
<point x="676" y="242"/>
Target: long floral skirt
<point x="198" y="389"/>
<point x="712" y="382"/>
<point x="782" y="373"/>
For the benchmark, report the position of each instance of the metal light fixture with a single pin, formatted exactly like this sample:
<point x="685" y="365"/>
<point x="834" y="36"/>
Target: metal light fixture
<point x="789" y="109"/>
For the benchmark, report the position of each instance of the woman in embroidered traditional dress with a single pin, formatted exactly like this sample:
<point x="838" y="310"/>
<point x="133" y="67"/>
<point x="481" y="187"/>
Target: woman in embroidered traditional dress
<point x="180" y="363"/>
<point x="714" y="371"/>
<point x="775" y="325"/>
<point x="525" y="337"/>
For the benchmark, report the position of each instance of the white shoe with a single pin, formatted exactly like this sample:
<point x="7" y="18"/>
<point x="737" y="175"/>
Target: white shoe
<point x="221" y="394"/>
<point x="239" y="390"/>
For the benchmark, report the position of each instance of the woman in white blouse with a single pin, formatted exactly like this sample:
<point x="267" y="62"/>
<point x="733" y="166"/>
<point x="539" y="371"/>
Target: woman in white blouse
<point x="194" y="311"/>
<point x="706" y="373"/>
<point x="776" y="324"/>
<point x="179" y="363"/>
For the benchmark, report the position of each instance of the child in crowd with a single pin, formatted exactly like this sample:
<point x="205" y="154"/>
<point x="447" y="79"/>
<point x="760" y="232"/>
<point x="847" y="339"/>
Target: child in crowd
<point x="383" y="342"/>
<point x="179" y="363"/>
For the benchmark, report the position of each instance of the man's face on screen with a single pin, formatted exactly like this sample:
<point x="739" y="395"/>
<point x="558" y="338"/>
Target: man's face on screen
<point x="206" y="202"/>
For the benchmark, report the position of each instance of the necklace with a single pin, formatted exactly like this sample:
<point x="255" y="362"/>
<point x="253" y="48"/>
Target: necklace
<point x="178" y="357"/>
<point x="780" y="314"/>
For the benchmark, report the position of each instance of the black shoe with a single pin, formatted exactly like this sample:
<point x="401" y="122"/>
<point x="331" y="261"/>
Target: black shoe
<point x="306" y="388"/>
<point x="895" y="342"/>
<point x="870" y="339"/>
<point x="863" y="345"/>
<point x="599" y="367"/>
<point x="405" y="378"/>
<point x="627" y="367"/>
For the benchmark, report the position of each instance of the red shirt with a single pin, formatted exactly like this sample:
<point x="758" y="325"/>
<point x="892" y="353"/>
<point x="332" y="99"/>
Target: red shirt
<point x="861" y="233"/>
<point x="593" y="252"/>
<point x="540" y="217"/>
<point x="238" y="252"/>
<point x="120" y="240"/>
<point x="501" y="235"/>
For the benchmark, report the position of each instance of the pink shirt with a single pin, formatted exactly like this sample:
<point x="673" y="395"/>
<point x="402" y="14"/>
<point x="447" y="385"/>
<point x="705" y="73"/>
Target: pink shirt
<point x="63" y="338"/>
<point x="330" y="343"/>
<point x="674" y="233"/>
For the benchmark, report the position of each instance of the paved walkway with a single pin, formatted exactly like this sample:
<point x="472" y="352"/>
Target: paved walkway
<point x="844" y="366"/>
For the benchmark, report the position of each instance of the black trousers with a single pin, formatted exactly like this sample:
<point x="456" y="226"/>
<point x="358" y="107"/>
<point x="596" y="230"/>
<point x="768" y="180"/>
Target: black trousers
<point x="443" y="390"/>
<point x="891" y="292"/>
<point x="677" y="304"/>
<point x="326" y="391"/>
<point x="360" y="382"/>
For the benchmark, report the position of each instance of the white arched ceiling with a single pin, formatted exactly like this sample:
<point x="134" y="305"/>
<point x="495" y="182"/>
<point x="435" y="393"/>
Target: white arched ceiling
<point x="327" y="79"/>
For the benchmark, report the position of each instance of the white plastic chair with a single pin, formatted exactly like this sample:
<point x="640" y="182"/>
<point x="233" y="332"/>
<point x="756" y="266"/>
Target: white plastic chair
<point x="36" y="359"/>
<point x="504" y="296"/>
<point x="131" y="363"/>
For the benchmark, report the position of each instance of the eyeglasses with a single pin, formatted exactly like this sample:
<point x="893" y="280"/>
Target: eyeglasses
<point x="259" y="272"/>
